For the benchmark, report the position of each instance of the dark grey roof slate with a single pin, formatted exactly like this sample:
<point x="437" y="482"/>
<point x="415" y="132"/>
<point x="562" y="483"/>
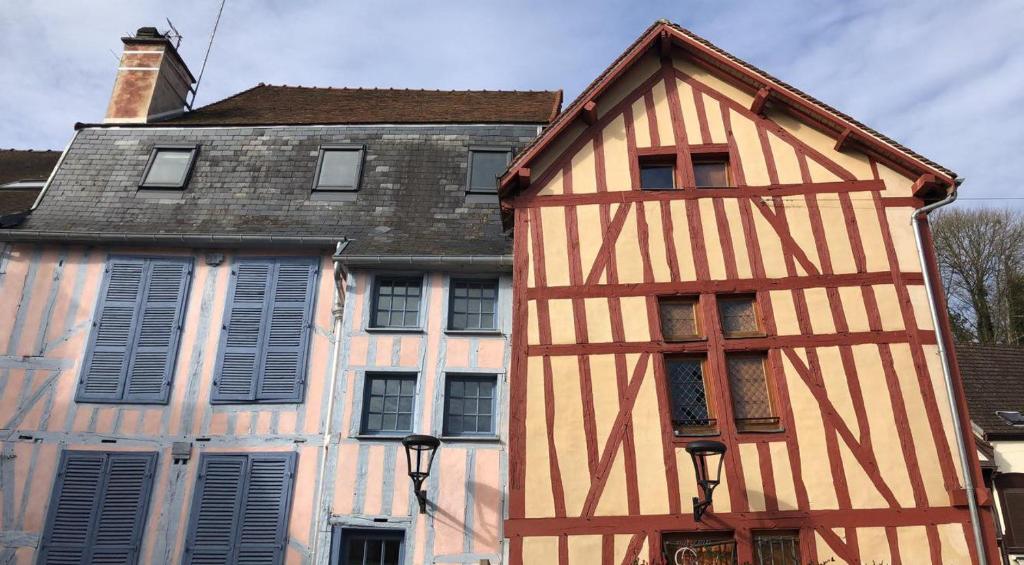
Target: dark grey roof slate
<point x="257" y="181"/>
<point x="993" y="378"/>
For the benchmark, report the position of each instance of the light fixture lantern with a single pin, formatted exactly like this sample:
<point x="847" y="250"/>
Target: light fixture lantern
<point x="419" y="457"/>
<point x="703" y="454"/>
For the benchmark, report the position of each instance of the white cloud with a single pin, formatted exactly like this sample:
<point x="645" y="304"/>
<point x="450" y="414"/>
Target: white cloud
<point x="941" y="76"/>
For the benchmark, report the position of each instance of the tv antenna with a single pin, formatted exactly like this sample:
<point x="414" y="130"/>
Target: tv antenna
<point x="173" y="34"/>
<point x="209" y="45"/>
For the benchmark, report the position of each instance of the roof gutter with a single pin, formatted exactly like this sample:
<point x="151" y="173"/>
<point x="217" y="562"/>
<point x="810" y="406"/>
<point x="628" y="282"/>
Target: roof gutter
<point x="53" y="173"/>
<point x="171" y="239"/>
<point x="961" y="441"/>
<point x="460" y="262"/>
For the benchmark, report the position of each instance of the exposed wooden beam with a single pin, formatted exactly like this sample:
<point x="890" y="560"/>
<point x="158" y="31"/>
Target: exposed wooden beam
<point x="844" y="139"/>
<point x="523" y="177"/>
<point x="664" y="45"/>
<point x="589" y="112"/>
<point x="760" y="99"/>
<point x="925" y="185"/>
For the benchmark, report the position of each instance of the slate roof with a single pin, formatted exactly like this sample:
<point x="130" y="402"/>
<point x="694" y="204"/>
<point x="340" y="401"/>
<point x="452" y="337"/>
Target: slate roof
<point x="296" y="105"/>
<point x="23" y="165"/>
<point x="993" y="378"/>
<point x="256" y="181"/>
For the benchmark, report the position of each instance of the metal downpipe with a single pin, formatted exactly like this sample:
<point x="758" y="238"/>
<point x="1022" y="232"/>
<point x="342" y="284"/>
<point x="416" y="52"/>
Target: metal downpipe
<point x="338" y="311"/>
<point x="961" y="443"/>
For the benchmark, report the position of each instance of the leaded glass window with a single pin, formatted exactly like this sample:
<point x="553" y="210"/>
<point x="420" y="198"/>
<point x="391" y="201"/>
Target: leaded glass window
<point x="751" y="401"/>
<point x="679" y="319"/>
<point x="738" y="316"/>
<point x="685" y="379"/>
<point x="389" y="401"/>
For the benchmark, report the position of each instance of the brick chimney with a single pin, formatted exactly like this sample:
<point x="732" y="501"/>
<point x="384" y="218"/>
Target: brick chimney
<point x="152" y="80"/>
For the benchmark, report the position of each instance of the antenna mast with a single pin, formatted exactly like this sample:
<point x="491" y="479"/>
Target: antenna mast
<point x="207" y="55"/>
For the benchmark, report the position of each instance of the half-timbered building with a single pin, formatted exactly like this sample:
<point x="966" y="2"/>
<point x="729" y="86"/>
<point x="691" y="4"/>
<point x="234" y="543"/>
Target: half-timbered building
<point x="705" y="252"/>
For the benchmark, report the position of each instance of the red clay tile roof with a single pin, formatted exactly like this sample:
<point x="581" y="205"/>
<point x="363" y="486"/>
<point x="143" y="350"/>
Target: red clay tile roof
<point x="298" y="105"/>
<point x="993" y="378"/>
<point x="26" y="164"/>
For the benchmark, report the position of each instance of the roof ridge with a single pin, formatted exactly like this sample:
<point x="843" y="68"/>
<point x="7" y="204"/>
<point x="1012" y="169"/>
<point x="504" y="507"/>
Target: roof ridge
<point x="222" y="100"/>
<point x="404" y="89"/>
<point x="30" y="150"/>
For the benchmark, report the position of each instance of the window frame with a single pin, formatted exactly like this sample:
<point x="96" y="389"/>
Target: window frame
<point x="364" y="407"/>
<point x="713" y="427"/>
<point x="658" y="160"/>
<point x="189" y="166"/>
<point x="713" y="152"/>
<point x="770" y="390"/>
<point x="793" y="535"/>
<point x="371" y="322"/>
<point x="81" y="396"/>
<point x="758" y="315"/>
<point x="470" y="189"/>
<point x="341" y="532"/>
<point x="450" y="376"/>
<point x="452" y="280"/>
<point x="324" y="149"/>
<point x="698" y="318"/>
<point x="103" y="481"/>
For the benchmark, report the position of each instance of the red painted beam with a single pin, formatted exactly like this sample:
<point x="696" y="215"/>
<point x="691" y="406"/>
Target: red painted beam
<point x="589" y="113"/>
<point x="925" y="185"/>
<point x="844" y="139"/>
<point x="664" y="45"/>
<point x="760" y="99"/>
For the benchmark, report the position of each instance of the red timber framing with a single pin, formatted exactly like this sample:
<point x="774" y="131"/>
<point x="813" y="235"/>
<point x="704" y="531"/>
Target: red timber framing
<point x="729" y="232"/>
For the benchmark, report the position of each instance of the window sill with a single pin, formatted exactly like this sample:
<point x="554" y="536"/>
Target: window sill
<point x="471" y="439"/>
<point x="160" y="193"/>
<point x="381" y="437"/>
<point x="746" y="335"/>
<point x="687" y="340"/>
<point x="659" y="189"/>
<point x="475" y="332"/>
<point x="396" y="330"/>
<point x="322" y="195"/>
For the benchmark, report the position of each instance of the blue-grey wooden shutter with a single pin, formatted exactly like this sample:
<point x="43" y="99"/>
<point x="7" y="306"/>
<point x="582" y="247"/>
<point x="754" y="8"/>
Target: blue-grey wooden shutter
<point x="265" y="337"/>
<point x="215" y="509"/>
<point x="107" y="355"/>
<point x="136" y="332"/>
<point x="264" y="519"/>
<point x="241" y="335"/>
<point x="98" y="508"/>
<point x="289" y="322"/>
<point x="155" y="348"/>
<point x="240" y="509"/>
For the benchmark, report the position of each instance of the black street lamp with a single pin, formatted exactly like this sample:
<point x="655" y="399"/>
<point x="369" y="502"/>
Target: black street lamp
<point x="419" y="456"/>
<point x="700" y="452"/>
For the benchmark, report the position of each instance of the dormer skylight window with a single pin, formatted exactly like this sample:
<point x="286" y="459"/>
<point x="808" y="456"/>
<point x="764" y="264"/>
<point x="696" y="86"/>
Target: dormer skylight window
<point x="486" y="164"/>
<point x="169" y="166"/>
<point x="339" y="168"/>
<point x="1014" y="418"/>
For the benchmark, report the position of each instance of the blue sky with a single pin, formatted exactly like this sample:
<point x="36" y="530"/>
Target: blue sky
<point x="945" y="78"/>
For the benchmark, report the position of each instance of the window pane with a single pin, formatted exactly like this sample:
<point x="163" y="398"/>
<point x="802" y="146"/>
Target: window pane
<point x="750" y="400"/>
<point x="657" y="176"/>
<point x="711" y="173"/>
<point x="356" y="552"/>
<point x="389" y="404"/>
<point x="468" y="405"/>
<point x="485" y="166"/>
<point x="777" y="548"/>
<point x="678" y="319"/>
<point x="738" y="316"/>
<point x="397" y="302"/>
<point x="338" y="168"/>
<point x="685" y="379"/>
<point x="472" y="305"/>
<point x="169" y="167"/>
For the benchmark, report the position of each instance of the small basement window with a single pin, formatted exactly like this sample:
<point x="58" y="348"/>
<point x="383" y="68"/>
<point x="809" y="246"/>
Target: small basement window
<point x="169" y="167"/>
<point x="485" y="166"/>
<point x="657" y="173"/>
<point x="339" y="168"/>
<point x="711" y="171"/>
